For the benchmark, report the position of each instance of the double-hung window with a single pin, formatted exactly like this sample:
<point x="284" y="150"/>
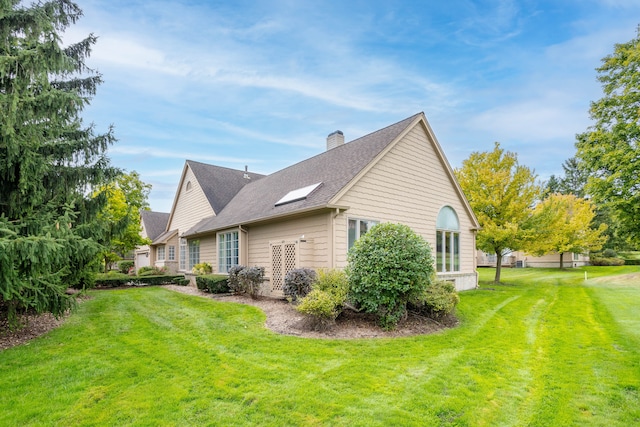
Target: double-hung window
<point x="161" y="253"/>
<point x="172" y="253"/>
<point x="358" y="228"/>
<point x="228" y="251"/>
<point x="447" y="241"/>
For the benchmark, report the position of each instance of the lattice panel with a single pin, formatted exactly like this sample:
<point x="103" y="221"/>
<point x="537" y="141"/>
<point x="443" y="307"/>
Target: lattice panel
<point x="284" y="258"/>
<point x="277" y="278"/>
<point x="290" y="257"/>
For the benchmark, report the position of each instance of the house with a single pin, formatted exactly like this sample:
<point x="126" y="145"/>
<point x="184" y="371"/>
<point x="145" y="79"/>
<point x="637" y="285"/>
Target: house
<point x="153" y="225"/>
<point x="552" y="260"/>
<point x="203" y="191"/>
<point x="310" y="214"/>
<point x="521" y="259"/>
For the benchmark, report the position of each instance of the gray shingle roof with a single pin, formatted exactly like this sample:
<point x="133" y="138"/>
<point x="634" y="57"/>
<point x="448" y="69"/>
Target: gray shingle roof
<point x="220" y="184"/>
<point x="334" y="168"/>
<point x="155" y="223"/>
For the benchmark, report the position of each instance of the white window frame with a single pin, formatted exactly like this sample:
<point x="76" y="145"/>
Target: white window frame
<point x="228" y="250"/>
<point x="358" y="223"/>
<point x="448" y="244"/>
<point x="161" y="253"/>
<point x="194" y="253"/>
<point x="171" y="256"/>
<point x="183" y="254"/>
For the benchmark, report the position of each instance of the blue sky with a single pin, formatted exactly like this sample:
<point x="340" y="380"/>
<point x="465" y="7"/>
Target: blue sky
<point x="262" y="83"/>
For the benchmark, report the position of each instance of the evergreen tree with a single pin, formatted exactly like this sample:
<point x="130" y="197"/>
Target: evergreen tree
<point x="50" y="163"/>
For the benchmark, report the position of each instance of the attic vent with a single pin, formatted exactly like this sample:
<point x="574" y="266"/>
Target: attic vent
<point x="299" y="194"/>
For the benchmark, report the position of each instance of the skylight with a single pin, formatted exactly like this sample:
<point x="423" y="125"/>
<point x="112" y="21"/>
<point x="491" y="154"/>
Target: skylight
<point x="299" y="194"/>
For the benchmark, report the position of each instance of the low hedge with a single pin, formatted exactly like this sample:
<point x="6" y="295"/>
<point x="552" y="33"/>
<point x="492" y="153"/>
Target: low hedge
<point x="632" y="262"/>
<point x="114" y="281"/>
<point x="213" y="283"/>
<point x="606" y="261"/>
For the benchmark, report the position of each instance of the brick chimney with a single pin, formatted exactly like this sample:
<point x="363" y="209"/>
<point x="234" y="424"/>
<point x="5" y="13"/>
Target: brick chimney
<point x="335" y="139"/>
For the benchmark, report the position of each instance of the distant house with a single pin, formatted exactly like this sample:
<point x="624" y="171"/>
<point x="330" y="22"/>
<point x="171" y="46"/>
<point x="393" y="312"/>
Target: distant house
<point x="310" y="214"/>
<point x="522" y="259"/>
<point x="153" y="225"/>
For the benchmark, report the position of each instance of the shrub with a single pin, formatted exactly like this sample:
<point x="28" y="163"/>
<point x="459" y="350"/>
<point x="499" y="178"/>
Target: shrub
<point x="113" y="281"/>
<point x="181" y="281"/>
<point x="202" y="268"/>
<point x="125" y="266"/>
<point x="389" y="266"/>
<point x="325" y="301"/>
<point x="152" y="271"/>
<point x="609" y="253"/>
<point x="251" y="278"/>
<point x="606" y="261"/>
<point x="297" y="283"/>
<point x="246" y="280"/>
<point x="438" y="300"/>
<point x="215" y="283"/>
<point x="234" y="281"/>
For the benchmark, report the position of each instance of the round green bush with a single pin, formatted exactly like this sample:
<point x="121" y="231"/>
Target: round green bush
<point x="438" y="300"/>
<point x="388" y="267"/>
<point x="326" y="300"/>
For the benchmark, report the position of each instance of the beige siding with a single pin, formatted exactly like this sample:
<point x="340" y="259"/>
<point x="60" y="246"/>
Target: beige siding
<point x="409" y="185"/>
<point x="208" y="250"/>
<point x="190" y="206"/>
<point x="313" y="252"/>
<point x="551" y="260"/>
<point x="143" y="253"/>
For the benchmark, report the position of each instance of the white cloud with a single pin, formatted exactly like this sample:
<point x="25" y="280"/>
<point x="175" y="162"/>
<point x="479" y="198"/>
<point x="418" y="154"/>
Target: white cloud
<point x="170" y="154"/>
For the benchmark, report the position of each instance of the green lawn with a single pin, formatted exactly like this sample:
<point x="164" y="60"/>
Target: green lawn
<point x="544" y="349"/>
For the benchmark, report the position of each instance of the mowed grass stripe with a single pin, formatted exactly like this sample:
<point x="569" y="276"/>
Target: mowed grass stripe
<point x="153" y="357"/>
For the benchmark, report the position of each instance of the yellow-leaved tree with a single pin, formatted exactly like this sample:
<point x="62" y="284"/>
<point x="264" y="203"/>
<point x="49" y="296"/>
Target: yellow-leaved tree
<point x="564" y="225"/>
<point x="501" y="193"/>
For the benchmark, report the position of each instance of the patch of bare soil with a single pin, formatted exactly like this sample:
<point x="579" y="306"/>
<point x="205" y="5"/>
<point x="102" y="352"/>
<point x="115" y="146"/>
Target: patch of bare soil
<point x="283" y="318"/>
<point x="31" y="326"/>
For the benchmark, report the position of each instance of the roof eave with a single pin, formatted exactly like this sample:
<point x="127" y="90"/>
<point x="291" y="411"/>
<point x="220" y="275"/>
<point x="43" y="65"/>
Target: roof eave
<point x="299" y="212"/>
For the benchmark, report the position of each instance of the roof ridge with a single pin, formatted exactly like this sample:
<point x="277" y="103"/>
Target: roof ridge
<point x="340" y="147"/>
<point x="222" y="167"/>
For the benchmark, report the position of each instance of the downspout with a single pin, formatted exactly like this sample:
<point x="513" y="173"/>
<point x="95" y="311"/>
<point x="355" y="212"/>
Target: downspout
<point x="242" y="249"/>
<point x="332" y="259"/>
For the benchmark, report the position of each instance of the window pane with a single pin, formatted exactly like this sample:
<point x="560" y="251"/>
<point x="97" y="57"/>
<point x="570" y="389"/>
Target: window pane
<point x="447" y="250"/>
<point x="194" y="253"/>
<point x="172" y="253"/>
<point x="352" y="232"/>
<point x="456" y="251"/>
<point x="447" y="219"/>
<point x="439" y="254"/>
<point x="183" y="255"/>
<point x="228" y="251"/>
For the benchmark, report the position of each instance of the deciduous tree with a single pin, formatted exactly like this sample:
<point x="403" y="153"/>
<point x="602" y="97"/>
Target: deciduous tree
<point x="501" y="193"/>
<point x="565" y="226"/>
<point x="120" y="218"/>
<point x="49" y="161"/>
<point x="610" y="149"/>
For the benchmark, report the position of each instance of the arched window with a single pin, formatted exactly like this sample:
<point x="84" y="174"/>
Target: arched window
<point x="447" y="241"/>
<point x="189" y="186"/>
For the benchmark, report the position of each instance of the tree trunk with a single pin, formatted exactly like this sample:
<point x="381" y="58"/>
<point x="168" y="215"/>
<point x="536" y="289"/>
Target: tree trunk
<point x="498" y="266"/>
